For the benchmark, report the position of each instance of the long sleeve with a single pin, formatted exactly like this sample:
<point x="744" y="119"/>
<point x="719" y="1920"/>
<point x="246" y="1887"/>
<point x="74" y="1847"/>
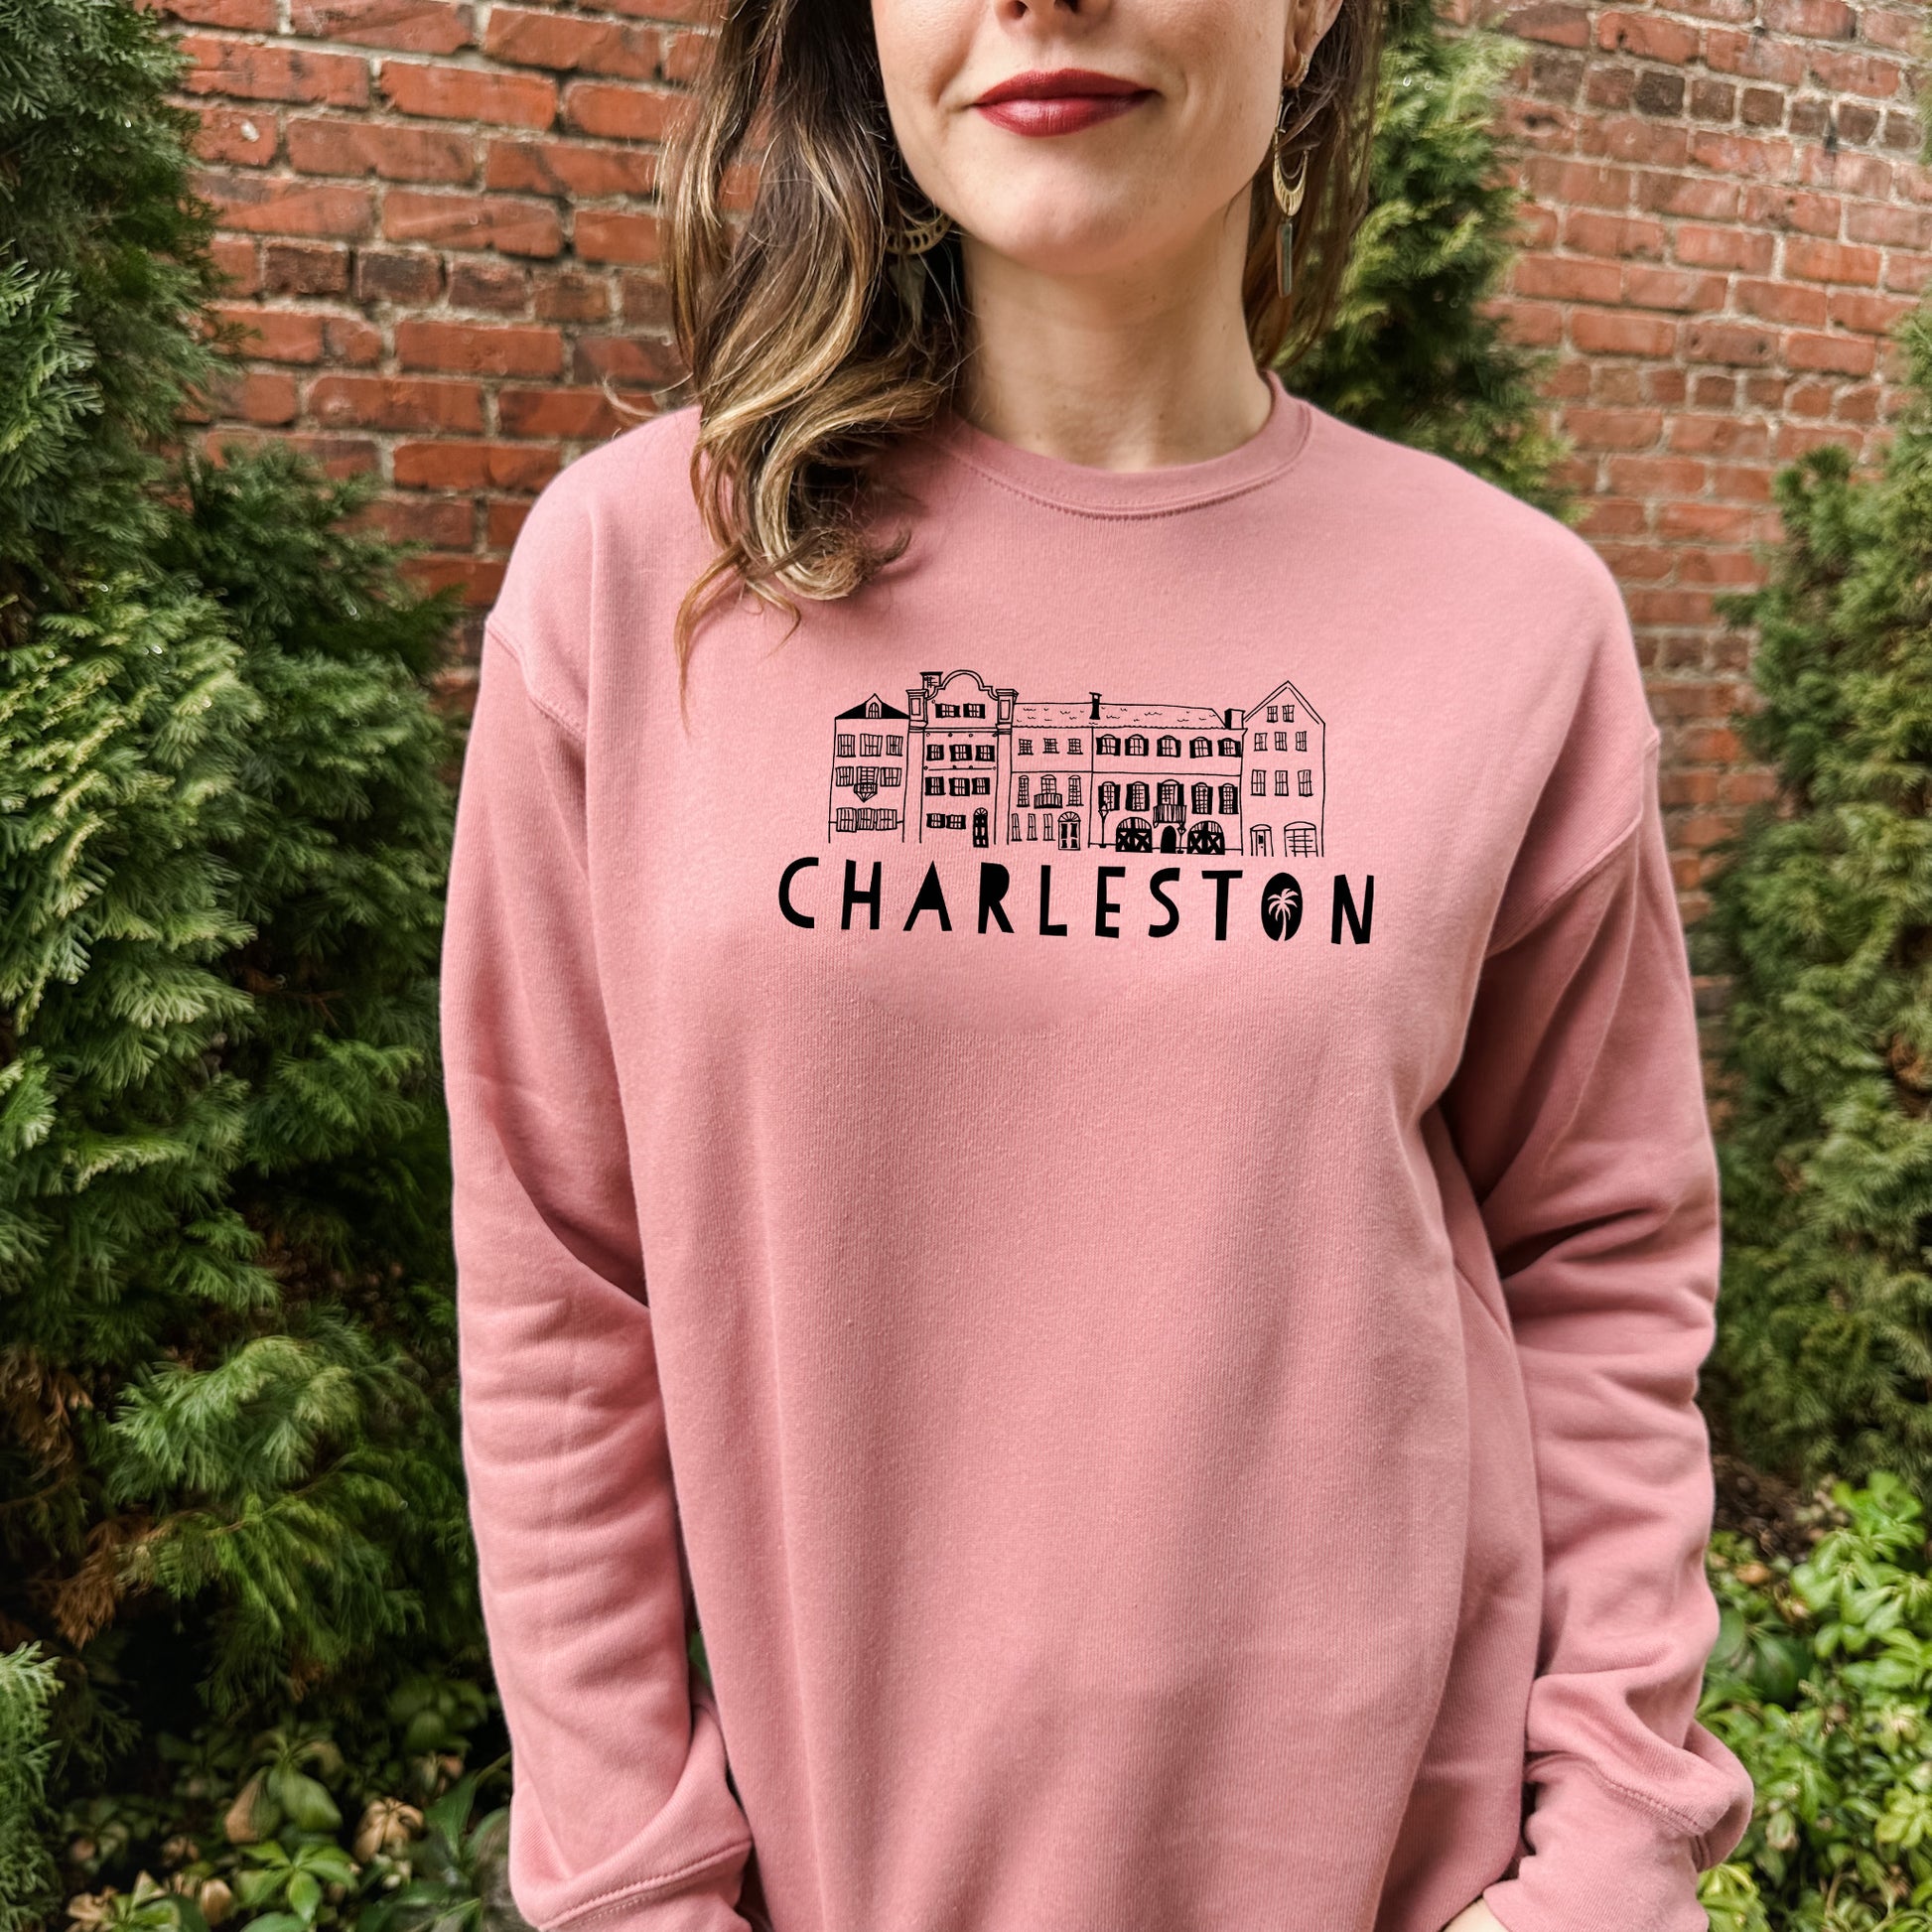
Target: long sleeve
<point x="621" y="1815"/>
<point x="1577" y="1110"/>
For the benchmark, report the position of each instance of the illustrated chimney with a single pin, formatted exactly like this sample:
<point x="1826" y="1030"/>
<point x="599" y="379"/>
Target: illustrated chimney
<point x="1094" y="714"/>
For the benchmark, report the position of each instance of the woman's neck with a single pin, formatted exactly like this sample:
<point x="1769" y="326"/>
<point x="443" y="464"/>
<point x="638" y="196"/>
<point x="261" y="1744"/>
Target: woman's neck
<point x="1143" y="367"/>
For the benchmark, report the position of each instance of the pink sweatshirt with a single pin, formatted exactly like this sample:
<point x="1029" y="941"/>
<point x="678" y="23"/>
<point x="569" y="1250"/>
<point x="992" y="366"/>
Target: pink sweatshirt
<point x="1097" y="1164"/>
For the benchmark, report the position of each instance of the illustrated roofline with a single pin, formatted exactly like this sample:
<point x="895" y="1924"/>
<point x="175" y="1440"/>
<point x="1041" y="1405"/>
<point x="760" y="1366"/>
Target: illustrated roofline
<point x="1274" y="697"/>
<point x="1099" y="711"/>
<point x="1069" y="711"/>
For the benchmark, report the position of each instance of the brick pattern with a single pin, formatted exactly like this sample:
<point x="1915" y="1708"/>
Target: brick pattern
<point x="438" y="225"/>
<point x="438" y="218"/>
<point x="1728" y="216"/>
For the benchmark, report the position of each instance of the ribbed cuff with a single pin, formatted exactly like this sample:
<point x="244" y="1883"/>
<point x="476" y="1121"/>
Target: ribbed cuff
<point x="1598" y="1862"/>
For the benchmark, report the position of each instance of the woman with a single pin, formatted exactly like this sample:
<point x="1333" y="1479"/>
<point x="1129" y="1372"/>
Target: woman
<point x="1074" y="1089"/>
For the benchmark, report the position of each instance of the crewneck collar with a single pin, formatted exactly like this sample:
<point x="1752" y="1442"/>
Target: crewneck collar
<point x="1158" y="492"/>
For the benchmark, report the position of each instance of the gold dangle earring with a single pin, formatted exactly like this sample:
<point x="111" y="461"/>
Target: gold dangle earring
<point x="905" y="244"/>
<point x="1288" y="196"/>
<point x="917" y="237"/>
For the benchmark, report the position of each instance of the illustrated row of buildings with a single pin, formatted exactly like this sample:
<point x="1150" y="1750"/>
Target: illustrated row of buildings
<point x="967" y="764"/>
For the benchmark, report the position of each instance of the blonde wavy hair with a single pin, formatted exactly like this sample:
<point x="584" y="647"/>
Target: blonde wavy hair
<point x="807" y="354"/>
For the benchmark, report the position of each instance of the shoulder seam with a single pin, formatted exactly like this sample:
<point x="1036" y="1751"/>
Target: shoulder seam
<point x="1590" y="867"/>
<point x="493" y="629"/>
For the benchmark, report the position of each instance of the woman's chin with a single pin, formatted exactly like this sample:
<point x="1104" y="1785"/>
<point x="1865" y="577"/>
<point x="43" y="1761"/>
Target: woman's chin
<point x="1105" y="246"/>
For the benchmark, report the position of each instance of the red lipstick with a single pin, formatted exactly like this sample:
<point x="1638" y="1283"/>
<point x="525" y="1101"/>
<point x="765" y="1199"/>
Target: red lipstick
<point x="1060" y="101"/>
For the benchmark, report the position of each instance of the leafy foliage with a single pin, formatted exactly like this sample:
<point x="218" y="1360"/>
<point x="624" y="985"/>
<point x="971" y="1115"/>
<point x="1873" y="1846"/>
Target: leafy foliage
<point x="1823" y="920"/>
<point x="1418" y="353"/>
<point x="1821" y="1681"/>
<point x="305" y="1827"/>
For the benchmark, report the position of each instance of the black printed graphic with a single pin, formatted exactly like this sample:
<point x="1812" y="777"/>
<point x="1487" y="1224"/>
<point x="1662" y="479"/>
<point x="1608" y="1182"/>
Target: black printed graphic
<point x="967" y="765"/>
<point x="1281" y="906"/>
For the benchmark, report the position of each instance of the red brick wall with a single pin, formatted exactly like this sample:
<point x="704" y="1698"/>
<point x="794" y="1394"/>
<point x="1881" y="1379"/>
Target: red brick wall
<point x="1728" y="216"/>
<point x="438" y="218"/>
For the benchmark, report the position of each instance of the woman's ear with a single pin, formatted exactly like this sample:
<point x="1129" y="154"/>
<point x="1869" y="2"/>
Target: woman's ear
<point x="1308" y="21"/>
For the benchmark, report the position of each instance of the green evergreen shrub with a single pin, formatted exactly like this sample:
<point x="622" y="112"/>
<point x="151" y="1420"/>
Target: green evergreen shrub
<point x="1417" y="353"/>
<point x="26" y="1688"/>
<point x="103" y="271"/>
<point x="1822" y="919"/>
<point x="231" y="1500"/>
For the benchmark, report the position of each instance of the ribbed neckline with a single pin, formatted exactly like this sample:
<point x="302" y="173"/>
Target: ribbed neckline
<point x="1158" y="492"/>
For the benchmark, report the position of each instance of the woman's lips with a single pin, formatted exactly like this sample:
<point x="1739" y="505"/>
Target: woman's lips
<point x="1060" y="113"/>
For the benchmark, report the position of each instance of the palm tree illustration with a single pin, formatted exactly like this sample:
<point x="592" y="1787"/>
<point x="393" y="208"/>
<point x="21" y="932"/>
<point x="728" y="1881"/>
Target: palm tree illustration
<point x="1282" y="904"/>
